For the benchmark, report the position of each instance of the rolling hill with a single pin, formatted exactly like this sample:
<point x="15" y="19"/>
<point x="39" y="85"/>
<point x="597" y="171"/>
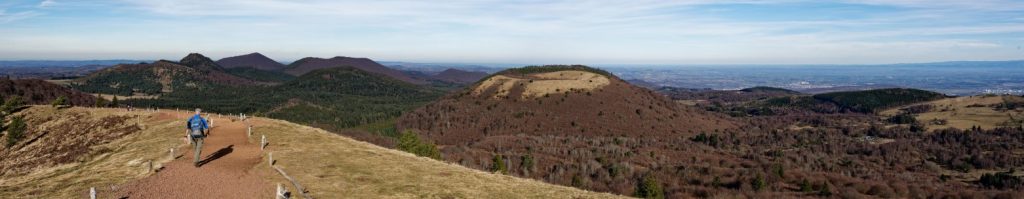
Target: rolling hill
<point x="194" y="72"/>
<point x="200" y="62"/>
<point x="252" y="60"/>
<point x="459" y="76"/>
<point x="562" y="124"/>
<point x="330" y="98"/>
<point x="306" y="65"/>
<point x="34" y="91"/>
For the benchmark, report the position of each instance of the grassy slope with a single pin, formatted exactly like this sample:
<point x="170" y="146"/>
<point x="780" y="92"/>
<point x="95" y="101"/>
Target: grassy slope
<point x="331" y="165"/>
<point x="958" y="114"/>
<point x="327" y="164"/>
<point x="109" y="164"/>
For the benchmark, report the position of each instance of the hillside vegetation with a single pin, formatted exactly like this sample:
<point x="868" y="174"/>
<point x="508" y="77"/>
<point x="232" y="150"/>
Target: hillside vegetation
<point x="34" y="91"/>
<point x="568" y="125"/>
<point x="332" y="98"/>
<point x="871" y="101"/>
<point x="328" y="95"/>
<point x="260" y="75"/>
<point x="773" y="102"/>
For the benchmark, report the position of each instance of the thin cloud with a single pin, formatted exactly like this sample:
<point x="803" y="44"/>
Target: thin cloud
<point x="17" y="16"/>
<point x="571" y="31"/>
<point x="47" y="3"/>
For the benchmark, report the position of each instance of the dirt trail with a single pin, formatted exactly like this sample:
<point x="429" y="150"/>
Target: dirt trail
<point x="226" y="169"/>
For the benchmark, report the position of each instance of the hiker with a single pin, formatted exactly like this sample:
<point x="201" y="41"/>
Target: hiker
<point x="197" y="131"/>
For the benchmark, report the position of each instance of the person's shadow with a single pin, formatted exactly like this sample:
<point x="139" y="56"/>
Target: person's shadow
<point x="216" y="155"/>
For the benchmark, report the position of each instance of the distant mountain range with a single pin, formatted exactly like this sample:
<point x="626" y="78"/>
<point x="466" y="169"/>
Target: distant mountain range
<point x="335" y="93"/>
<point x="459" y="76"/>
<point x="67" y="63"/>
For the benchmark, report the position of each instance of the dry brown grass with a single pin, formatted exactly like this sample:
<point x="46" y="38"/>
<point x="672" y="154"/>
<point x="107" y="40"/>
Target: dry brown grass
<point x="106" y="165"/>
<point x="958" y="115"/>
<point x="62" y="82"/>
<point x="543" y="83"/>
<point x="332" y="166"/>
<point x="110" y="97"/>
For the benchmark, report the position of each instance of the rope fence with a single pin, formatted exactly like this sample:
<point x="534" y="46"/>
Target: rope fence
<point x="281" y="191"/>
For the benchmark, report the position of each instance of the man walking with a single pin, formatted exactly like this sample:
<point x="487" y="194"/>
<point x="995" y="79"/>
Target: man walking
<point x="197" y="128"/>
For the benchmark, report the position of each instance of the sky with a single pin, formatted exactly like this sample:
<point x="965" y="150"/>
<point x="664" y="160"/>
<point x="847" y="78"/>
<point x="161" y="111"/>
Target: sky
<point x="531" y="31"/>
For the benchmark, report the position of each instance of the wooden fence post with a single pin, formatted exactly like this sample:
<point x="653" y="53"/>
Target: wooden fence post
<point x="263" y="142"/>
<point x="150" y="166"/>
<point x="280" y="192"/>
<point x="172" y="153"/>
<point x="92" y="192"/>
<point x="298" y="187"/>
<point x="248" y="131"/>
<point x="270" y="158"/>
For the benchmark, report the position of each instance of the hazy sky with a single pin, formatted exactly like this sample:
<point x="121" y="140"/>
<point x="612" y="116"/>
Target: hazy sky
<point x="534" y="31"/>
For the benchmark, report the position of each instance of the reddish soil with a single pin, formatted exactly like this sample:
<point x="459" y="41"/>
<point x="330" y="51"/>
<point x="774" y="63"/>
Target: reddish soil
<point x="226" y="170"/>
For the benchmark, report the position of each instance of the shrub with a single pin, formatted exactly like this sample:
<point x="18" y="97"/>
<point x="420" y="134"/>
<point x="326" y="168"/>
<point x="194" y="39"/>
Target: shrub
<point x="499" y="164"/>
<point x="778" y="170"/>
<point x="805" y="186"/>
<point x="649" y="187"/>
<point x="527" y="163"/>
<point x="100" y="102"/>
<point x="825" y="190"/>
<point x="577" y="181"/>
<point x="902" y="119"/>
<point x="758" y="183"/>
<point x="710" y="140"/>
<point x="60" y="101"/>
<point x="15" y="131"/>
<point x="1001" y="180"/>
<point x="410" y="142"/>
<point x="12" y="103"/>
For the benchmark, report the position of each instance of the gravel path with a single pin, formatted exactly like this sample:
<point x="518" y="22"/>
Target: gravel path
<point x="226" y="170"/>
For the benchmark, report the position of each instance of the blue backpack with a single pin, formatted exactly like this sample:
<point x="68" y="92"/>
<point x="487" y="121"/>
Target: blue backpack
<point x="196" y="124"/>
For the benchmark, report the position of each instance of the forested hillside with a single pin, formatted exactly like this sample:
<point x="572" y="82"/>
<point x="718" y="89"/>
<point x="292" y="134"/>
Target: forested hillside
<point x="260" y="75"/>
<point x="34" y="91"/>
<point x="193" y="72"/>
<point x="874" y="100"/>
<point x="330" y="98"/>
